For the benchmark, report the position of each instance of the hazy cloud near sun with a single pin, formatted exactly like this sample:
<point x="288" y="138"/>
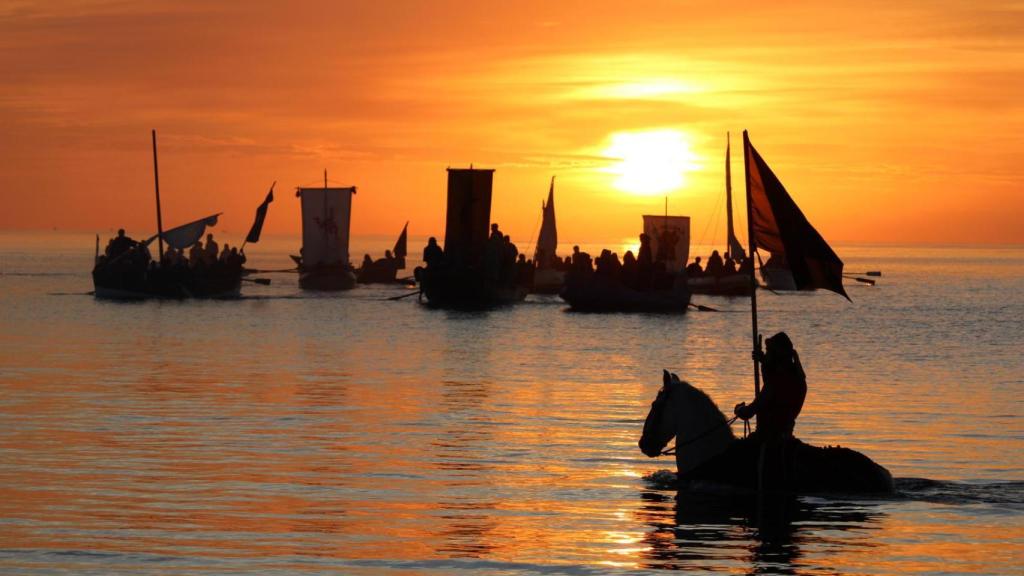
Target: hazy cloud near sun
<point x="859" y="99"/>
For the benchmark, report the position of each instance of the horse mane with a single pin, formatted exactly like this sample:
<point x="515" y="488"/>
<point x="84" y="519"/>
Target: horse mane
<point x="697" y="393"/>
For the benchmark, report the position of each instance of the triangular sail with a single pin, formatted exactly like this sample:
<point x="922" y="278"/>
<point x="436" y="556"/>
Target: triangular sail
<point x="734" y="249"/>
<point x="547" y="240"/>
<point x="181" y="237"/>
<point x="401" y="247"/>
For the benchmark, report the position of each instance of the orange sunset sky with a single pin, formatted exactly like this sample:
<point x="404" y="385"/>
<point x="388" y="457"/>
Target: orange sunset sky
<point x="888" y="121"/>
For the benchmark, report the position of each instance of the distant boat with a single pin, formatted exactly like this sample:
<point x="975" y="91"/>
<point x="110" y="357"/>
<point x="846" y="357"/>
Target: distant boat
<point x="128" y="272"/>
<point x="736" y="283"/>
<point x="385" y="270"/>
<point x="472" y="273"/>
<point x="323" y="262"/>
<point x="548" y="278"/>
<point x="659" y="289"/>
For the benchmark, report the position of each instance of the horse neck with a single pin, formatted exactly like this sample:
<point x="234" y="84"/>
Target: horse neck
<point x="702" y="431"/>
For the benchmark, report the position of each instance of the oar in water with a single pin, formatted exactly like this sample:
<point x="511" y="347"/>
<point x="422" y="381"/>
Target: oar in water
<point x="403" y="296"/>
<point x="868" y="273"/>
<point x="867" y="281"/>
<point x="703" y="308"/>
<point x="262" y="281"/>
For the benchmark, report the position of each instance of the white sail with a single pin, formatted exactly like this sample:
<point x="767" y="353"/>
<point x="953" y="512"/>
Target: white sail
<point x="670" y="240"/>
<point x="326" y="216"/>
<point x="547" y="241"/>
<point x="183" y="236"/>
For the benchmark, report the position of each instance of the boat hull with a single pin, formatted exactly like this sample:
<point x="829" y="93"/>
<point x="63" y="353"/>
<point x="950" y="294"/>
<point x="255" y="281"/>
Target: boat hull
<point x="548" y="281"/>
<point x="730" y="285"/>
<point x="467" y="289"/>
<point x="596" y="293"/>
<point x="114" y="284"/>
<point x="327" y="279"/>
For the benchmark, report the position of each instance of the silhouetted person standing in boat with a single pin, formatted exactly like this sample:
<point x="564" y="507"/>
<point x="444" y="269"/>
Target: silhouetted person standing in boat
<point x="119" y="245"/>
<point x="776" y="407"/>
<point x="715" y="265"/>
<point x="433" y="254"/>
<point x="644" y="264"/>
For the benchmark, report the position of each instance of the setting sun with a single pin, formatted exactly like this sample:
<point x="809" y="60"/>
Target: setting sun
<point x="651" y="162"/>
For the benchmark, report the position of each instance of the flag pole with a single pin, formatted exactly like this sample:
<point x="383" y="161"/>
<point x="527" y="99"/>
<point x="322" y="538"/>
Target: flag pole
<point x="752" y="246"/>
<point x="159" y="219"/>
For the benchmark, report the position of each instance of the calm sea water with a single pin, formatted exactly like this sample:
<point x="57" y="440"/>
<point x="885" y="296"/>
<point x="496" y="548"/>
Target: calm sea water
<point x="292" y="433"/>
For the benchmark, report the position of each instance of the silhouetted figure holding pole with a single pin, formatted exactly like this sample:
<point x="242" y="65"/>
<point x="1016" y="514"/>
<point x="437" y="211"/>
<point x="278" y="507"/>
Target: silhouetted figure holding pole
<point x="776" y="408"/>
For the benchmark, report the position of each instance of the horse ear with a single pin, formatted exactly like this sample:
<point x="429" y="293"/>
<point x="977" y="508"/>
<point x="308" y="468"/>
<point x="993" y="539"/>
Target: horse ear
<point x="666" y="378"/>
<point x="675" y="379"/>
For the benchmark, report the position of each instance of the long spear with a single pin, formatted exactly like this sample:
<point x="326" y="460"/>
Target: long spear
<point x="752" y="247"/>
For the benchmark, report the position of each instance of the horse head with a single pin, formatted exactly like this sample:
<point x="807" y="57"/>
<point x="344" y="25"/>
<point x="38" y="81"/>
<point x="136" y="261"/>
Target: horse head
<point x="661" y="423"/>
<point x="684" y="411"/>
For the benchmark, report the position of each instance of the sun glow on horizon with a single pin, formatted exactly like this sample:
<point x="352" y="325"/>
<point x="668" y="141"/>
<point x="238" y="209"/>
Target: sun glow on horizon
<point x="651" y="162"/>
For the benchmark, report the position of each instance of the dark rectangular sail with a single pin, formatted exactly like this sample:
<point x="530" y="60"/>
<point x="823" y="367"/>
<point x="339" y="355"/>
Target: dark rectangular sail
<point x="468" y="217"/>
<point x="778" y="225"/>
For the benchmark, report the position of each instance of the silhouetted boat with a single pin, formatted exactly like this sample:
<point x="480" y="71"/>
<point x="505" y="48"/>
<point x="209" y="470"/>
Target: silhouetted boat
<point x="473" y="272"/>
<point x="662" y="289"/>
<point x="385" y="270"/>
<point x="547" y="278"/>
<point x="731" y="284"/>
<point x="592" y="292"/>
<point x="323" y="263"/>
<point x="132" y="274"/>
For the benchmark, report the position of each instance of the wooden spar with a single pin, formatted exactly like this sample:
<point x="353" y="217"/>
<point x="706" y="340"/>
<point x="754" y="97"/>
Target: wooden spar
<point x="159" y="218"/>
<point x="728" y="203"/>
<point x="752" y="247"/>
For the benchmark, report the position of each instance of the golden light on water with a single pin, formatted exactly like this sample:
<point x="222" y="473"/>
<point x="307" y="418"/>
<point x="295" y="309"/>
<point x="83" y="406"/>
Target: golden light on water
<point x="651" y="162"/>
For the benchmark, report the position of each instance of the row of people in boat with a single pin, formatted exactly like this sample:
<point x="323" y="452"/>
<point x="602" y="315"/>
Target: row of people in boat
<point x="718" y="266"/>
<point x="641" y="272"/>
<point x="122" y="251"/>
<point x="388" y="262"/>
<point x="502" y="262"/>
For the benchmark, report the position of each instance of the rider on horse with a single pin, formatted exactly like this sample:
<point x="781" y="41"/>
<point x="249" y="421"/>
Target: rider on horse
<point x="776" y="407"/>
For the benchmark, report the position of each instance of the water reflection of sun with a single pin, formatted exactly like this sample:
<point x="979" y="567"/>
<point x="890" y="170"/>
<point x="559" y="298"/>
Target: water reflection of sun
<point x="651" y="162"/>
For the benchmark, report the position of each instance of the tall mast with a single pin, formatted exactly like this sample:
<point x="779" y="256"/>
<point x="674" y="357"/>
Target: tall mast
<point x="750" y="256"/>
<point x="728" y="202"/>
<point x="159" y="218"/>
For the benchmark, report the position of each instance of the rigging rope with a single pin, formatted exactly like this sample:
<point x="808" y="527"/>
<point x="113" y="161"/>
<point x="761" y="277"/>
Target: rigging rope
<point x="671" y="451"/>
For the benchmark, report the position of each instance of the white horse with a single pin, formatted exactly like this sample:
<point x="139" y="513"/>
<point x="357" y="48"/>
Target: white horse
<point x="707" y="451"/>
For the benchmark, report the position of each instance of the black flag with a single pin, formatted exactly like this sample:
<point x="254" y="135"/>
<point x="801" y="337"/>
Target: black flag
<point x="261" y="215"/>
<point x="778" y="225"/>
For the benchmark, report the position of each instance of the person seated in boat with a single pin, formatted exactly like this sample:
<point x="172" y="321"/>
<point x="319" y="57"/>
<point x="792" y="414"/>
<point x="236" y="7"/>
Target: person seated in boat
<point x="524" y="271"/>
<point x="170" y="258"/>
<point x="367" y="262"/>
<point x="433" y="255"/>
<point x="224" y="253"/>
<point x="746" y="265"/>
<point x="237" y="258"/>
<point x="195" y="255"/>
<point x="777" y="407"/>
<point x="729" y="267"/>
<point x="581" y="260"/>
<point x="496" y="233"/>
<point x="629" y="269"/>
<point x="693" y="270"/>
<point x="119" y="244"/>
<point x="715" y="266"/>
